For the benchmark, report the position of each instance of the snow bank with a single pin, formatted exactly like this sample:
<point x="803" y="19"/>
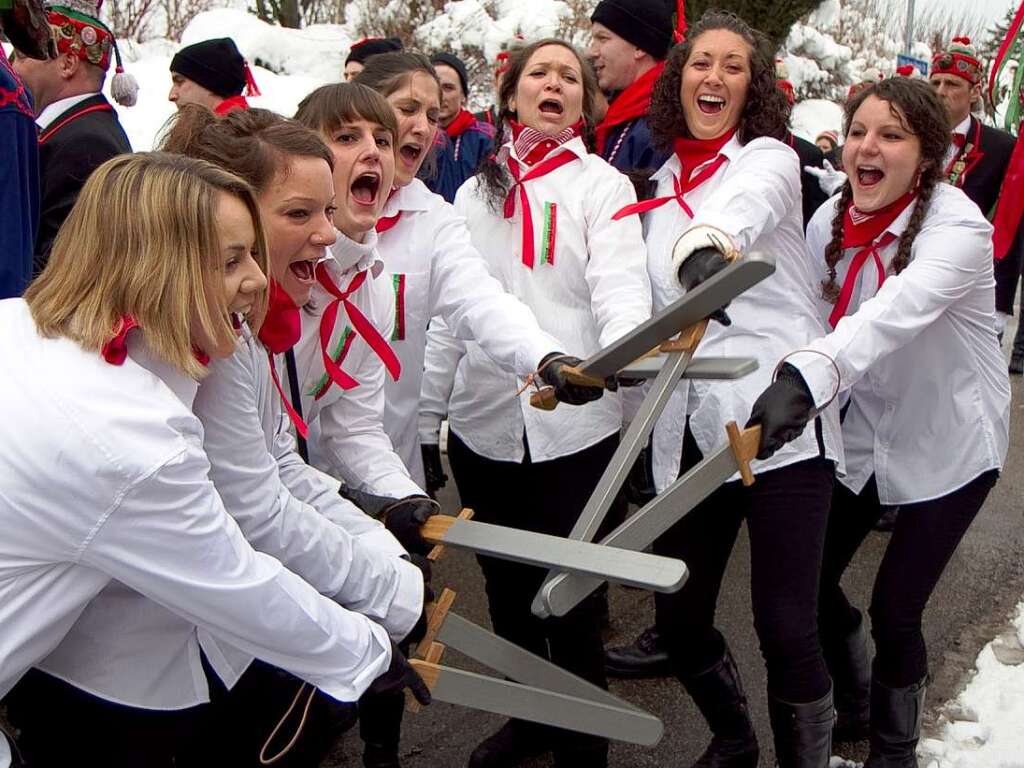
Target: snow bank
<point x="812" y="116"/>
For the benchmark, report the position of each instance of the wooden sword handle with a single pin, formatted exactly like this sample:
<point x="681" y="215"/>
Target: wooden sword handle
<point x="427" y="649"/>
<point x="744" y="447"/>
<point x="436" y="527"/>
<point x="427" y="669"/>
<point x="687" y="340"/>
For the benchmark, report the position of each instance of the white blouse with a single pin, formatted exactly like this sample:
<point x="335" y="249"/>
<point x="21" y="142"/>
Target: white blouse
<point x="918" y="358"/>
<point x="110" y="482"/>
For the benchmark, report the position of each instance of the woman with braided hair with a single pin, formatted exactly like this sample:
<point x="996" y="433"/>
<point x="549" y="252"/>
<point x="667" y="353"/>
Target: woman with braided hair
<point x="905" y="267"/>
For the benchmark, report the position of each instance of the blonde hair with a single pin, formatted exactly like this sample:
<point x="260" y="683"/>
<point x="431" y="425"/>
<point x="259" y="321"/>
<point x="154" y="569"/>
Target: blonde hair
<point x="142" y="240"/>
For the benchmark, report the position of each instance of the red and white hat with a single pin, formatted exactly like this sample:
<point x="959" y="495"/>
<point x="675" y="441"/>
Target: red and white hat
<point x="77" y="30"/>
<point x="961" y="59"/>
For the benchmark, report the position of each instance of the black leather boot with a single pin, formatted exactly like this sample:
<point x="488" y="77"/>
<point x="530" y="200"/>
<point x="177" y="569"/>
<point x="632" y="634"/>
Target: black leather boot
<point x="849" y="664"/>
<point x="380" y="727"/>
<point x="802" y="732"/>
<point x="719" y="696"/>
<point x="896" y="715"/>
<point x="512" y="744"/>
<point x="644" y="658"/>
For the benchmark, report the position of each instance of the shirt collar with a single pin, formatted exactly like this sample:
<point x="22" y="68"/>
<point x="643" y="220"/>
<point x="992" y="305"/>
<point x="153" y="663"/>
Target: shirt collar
<point x="414" y="196"/>
<point x="348" y="255"/>
<point x="58" y="108"/>
<point x="184" y="387"/>
<point x="899" y="224"/>
<point x="574" y="145"/>
<point x="964" y="126"/>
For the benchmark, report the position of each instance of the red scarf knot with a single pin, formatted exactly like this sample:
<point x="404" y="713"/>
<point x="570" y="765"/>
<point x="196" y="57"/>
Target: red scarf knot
<point x="115" y="351"/>
<point x="868" y="232"/>
<point x="631" y="104"/>
<point x="692" y="154"/>
<point x="360" y="324"/>
<point x="281" y="330"/>
<point x="532" y="145"/>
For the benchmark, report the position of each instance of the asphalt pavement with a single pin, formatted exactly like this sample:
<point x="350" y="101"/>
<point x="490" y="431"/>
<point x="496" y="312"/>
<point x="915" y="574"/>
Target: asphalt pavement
<point x="980" y="587"/>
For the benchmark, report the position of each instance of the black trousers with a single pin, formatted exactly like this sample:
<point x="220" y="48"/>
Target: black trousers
<point x="924" y="539"/>
<point x="546" y="497"/>
<point x="786" y="511"/>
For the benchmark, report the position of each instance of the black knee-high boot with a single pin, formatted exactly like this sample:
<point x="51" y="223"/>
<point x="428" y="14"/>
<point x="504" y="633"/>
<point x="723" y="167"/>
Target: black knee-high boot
<point x="802" y="732"/>
<point x="896" y="715"/>
<point x="718" y="694"/>
<point x="849" y="664"/>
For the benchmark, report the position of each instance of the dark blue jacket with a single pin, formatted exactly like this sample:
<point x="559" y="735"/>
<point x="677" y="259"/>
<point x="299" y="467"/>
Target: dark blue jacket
<point x="19" y="192"/>
<point x="459" y="158"/>
<point x="629" y="148"/>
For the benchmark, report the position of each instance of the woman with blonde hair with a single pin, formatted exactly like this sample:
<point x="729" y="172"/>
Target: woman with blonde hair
<point x="110" y="482"/>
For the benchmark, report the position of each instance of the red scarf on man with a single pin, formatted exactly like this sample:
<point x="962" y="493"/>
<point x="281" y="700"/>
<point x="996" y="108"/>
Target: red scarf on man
<point x="628" y="105"/>
<point x="462" y="123"/>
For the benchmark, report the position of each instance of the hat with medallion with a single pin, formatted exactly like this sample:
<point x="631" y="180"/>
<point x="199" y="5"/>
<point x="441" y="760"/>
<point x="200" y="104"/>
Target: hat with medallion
<point x="77" y="30"/>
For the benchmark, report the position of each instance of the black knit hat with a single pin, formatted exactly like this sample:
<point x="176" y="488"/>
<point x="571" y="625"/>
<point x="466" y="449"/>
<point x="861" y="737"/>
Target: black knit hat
<point x="371" y="46"/>
<point x="214" y="64"/>
<point x="453" y="61"/>
<point x="647" y="24"/>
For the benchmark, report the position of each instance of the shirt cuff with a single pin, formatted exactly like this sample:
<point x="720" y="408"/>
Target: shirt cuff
<point x="430" y="428"/>
<point x="407" y="607"/>
<point x="819" y="372"/>
<point x="533" y="350"/>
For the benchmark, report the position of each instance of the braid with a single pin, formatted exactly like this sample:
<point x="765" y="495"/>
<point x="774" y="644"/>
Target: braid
<point x="834" y="250"/>
<point x="929" y="181"/>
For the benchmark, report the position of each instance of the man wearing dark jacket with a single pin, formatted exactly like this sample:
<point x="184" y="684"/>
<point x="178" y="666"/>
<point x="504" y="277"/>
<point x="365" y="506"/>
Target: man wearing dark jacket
<point x="78" y="128"/>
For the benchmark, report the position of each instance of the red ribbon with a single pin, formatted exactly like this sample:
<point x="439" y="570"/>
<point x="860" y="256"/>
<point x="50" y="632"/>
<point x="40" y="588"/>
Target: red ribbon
<point x="115" y="351"/>
<point x="280" y="331"/>
<point x="251" y="89"/>
<point x="384" y="223"/>
<point x="360" y="324"/>
<point x="856" y="265"/>
<point x="541" y="169"/>
<point x="1010" y="206"/>
<point x="680" y="191"/>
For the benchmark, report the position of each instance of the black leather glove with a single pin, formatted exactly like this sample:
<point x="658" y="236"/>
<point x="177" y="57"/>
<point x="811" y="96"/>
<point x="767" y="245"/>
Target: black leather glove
<point x="370" y="503"/>
<point x="553" y="374"/>
<point x="433" y="468"/>
<point x="698" y="267"/>
<point x="399" y="676"/>
<point x="404" y="518"/>
<point x="782" y="410"/>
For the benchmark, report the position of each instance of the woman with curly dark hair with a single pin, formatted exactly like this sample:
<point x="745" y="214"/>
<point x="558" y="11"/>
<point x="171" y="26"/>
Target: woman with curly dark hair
<point x="904" y="262"/>
<point x="733" y="185"/>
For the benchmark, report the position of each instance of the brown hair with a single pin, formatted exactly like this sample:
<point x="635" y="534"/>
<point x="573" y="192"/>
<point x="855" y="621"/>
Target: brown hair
<point x="494" y="179"/>
<point x="327" y="108"/>
<point x="766" y="112"/>
<point x="387" y="72"/>
<point x="918" y="109"/>
<point x="251" y="143"/>
<point x="142" y="240"/>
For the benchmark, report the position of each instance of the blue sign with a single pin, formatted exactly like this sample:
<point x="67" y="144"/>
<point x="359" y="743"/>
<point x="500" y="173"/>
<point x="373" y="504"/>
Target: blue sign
<point x="919" y="64"/>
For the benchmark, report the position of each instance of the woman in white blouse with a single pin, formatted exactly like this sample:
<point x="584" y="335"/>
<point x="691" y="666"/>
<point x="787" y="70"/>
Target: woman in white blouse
<point x="540" y="213"/>
<point x="904" y="265"/>
<point x="110" y="480"/>
<point x="733" y="184"/>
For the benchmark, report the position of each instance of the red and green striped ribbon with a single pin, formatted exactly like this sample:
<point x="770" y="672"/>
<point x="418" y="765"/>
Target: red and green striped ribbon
<point x="340" y="352"/>
<point x="547" y="254"/>
<point x="399" y="282"/>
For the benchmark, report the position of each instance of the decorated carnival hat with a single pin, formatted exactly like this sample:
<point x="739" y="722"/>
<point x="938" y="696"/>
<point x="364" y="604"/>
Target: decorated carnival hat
<point x="78" y="31"/>
<point x="371" y="46"/>
<point x="218" y="66"/>
<point x="782" y="80"/>
<point x="961" y="59"/>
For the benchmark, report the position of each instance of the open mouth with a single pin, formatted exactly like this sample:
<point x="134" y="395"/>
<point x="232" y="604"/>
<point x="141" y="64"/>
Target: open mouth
<point x="869" y="175"/>
<point x="304" y="270"/>
<point x="411" y="152"/>
<point x="550" y="107"/>
<point x="365" y="188"/>
<point x="236" y="321"/>
<point x="710" y="105"/>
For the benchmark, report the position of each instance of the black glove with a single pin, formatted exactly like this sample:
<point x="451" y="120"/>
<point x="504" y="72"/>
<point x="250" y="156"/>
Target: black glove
<point x="432" y="468"/>
<point x="553" y="373"/>
<point x="698" y="267"/>
<point x="399" y="676"/>
<point x="782" y="410"/>
<point x="370" y="503"/>
<point x="639" y="487"/>
<point x="404" y="518"/>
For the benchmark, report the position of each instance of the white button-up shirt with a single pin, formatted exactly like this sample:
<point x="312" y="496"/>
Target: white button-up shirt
<point x="346" y="428"/>
<point x="439" y="272"/>
<point x="110" y="481"/>
<point x="286" y="509"/>
<point x="928" y="387"/>
<point x="594" y="290"/>
<point x="754" y="198"/>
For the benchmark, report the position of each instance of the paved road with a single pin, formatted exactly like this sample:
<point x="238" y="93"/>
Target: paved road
<point x="983" y="582"/>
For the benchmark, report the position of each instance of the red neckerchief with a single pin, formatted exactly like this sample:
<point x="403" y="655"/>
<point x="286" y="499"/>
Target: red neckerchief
<point x="48" y="133"/>
<point x="532" y="146"/>
<point x="360" y="324"/>
<point x="115" y="351"/>
<point x="462" y="122"/>
<point x="868" y="232"/>
<point x="692" y="153"/>
<point x="231" y="104"/>
<point x="281" y="330"/>
<point x="632" y="103"/>
<point x="544" y="167"/>
<point x="384" y="223"/>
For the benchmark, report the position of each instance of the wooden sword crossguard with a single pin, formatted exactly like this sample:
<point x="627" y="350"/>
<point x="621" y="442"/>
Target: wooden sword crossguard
<point x="428" y="651"/>
<point x="744" y="444"/>
<point x="436" y="527"/>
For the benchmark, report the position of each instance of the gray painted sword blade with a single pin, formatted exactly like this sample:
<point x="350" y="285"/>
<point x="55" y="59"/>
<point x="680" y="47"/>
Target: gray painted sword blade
<point x="504" y="697"/>
<point x="622" y="566"/>
<point x="566" y="590"/>
<point x="720" y="368"/>
<point x="517" y="663"/>
<point x="697" y="304"/>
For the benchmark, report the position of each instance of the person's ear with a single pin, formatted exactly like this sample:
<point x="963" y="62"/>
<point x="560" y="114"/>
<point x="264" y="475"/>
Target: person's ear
<point x="68" y="64"/>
